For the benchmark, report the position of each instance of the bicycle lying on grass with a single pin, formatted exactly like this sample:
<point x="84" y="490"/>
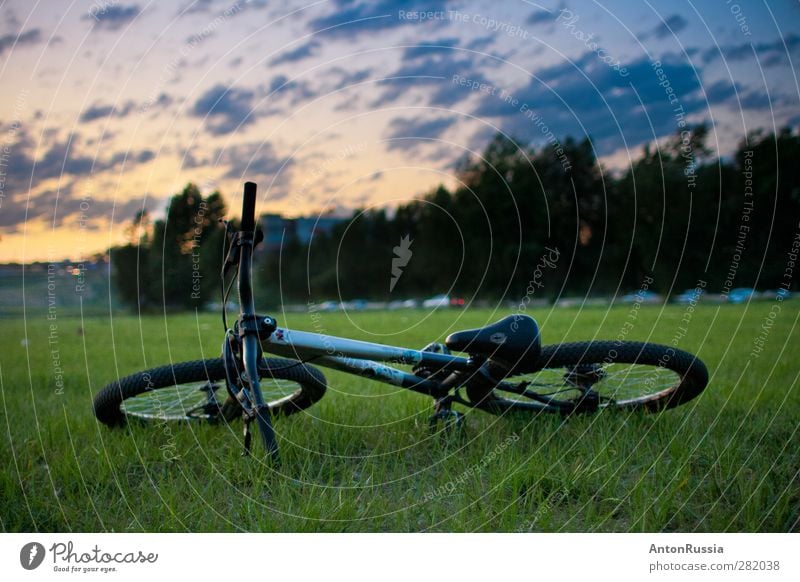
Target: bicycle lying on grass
<point x="506" y="368"/>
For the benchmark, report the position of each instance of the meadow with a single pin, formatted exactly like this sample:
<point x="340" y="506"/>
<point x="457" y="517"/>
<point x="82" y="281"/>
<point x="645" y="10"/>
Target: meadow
<point x="363" y="458"/>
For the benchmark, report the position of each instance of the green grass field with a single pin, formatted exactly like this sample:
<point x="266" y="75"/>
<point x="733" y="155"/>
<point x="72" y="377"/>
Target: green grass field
<point x="363" y="460"/>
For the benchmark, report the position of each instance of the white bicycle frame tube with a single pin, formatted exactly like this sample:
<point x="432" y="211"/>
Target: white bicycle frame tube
<point x="360" y="358"/>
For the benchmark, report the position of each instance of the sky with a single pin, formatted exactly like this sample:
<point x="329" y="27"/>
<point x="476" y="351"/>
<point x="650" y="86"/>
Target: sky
<point x="110" y="107"/>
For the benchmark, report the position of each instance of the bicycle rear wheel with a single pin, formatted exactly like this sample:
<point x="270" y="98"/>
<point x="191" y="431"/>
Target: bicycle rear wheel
<point x="196" y="391"/>
<point x="592" y="376"/>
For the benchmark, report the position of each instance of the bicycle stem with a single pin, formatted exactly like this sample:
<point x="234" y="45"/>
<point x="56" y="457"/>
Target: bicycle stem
<point x="248" y="327"/>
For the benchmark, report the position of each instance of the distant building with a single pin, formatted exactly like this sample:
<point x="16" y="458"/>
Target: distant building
<point x="280" y="230"/>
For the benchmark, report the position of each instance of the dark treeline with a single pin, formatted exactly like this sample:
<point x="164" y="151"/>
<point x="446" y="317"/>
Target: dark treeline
<point x="174" y="262"/>
<point x="677" y="216"/>
<point x="518" y="221"/>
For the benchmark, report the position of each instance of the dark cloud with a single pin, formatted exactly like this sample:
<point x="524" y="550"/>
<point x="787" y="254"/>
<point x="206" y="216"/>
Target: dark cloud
<point x="427" y="48"/>
<point x="65" y="206"/>
<point x="293" y="91"/>
<point x="721" y="91"/>
<point x="60" y="161"/>
<point x="196" y="7"/>
<point x="101" y="111"/>
<point x="406" y="133"/>
<point x="343" y="78"/>
<point x="113" y="16"/>
<point x="29" y="37"/>
<point x="541" y="17"/>
<point x="302" y="52"/>
<point x="587" y="97"/>
<point x="758" y="100"/>
<point x="737" y="97"/>
<point x="478" y="44"/>
<point x="144" y="156"/>
<point x="257" y="161"/>
<point x="251" y="161"/>
<point x="105" y="110"/>
<point x="435" y="72"/>
<point x="225" y="108"/>
<point x="672" y="25"/>
<point x="351" y="18"/>
<point x="769" y="54"/>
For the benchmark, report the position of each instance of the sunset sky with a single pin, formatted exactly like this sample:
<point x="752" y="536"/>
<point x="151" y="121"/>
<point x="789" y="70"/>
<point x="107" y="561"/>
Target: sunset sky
<point x="112" y="106"/>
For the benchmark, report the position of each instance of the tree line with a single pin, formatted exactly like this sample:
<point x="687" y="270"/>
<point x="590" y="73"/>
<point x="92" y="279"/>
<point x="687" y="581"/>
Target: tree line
<point x="675" y="217"/>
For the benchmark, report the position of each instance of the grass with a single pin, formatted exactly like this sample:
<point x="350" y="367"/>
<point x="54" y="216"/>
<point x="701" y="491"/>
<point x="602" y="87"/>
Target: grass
<point x="363" y="460"/>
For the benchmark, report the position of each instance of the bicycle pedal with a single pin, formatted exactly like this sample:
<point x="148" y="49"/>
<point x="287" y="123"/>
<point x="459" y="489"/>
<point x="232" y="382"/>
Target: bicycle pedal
<point x="589" y="402"/>
<point x="450" y="419"/>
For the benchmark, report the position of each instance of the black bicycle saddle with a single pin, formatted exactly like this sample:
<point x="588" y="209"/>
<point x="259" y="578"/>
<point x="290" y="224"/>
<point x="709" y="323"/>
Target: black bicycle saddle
<point x="513" y="341"/>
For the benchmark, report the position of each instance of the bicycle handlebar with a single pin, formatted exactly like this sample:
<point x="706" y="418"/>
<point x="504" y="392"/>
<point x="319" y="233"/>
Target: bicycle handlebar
<point x="251" y="347"/>
<point x="249" y="207"/>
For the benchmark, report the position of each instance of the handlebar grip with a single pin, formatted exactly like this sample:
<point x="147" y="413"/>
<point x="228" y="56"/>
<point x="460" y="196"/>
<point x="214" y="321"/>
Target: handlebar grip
<point x="249" y="207"/>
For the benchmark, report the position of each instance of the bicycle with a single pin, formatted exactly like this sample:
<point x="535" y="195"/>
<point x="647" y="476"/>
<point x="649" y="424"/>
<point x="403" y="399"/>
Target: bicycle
<point x="505" y="369"/>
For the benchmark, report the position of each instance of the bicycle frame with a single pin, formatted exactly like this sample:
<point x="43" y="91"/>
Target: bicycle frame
<point x="362" y="359"/>
<point x="257" y="334"/>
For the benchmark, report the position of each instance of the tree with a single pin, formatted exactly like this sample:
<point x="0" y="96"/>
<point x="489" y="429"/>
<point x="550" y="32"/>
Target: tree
<point x="174" y="263"/>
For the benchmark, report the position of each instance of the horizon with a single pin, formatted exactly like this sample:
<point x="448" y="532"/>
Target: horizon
<point x="344" y="104"/>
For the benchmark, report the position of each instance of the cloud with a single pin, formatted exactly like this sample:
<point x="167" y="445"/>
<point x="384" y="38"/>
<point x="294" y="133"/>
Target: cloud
<point x="296" y="91"/>
<point x="303" y="51"/>
<point x="586" y="97"/>
<point x="541" y="17"/>
<point x="672" y="25"/>
<point x="64" y="207"/>
<point x="759" y="100"/>
<point x="259" y="162"/>
<point x="406" y="133"/>
<point x="28" y="37"/>
<point x="112" y="16"/>
<point x="769" y="54"/>
<point x="721" y="91"/>
<point x="435" y="71"/>
<point x="431" y="47"/>
<point x="63" y="160"/>
<point x="351" y="18"/>
<point x="101" y="111"/>
<point x="196" y="7"/>
<point x="27" y="173"/>
<point x="480" y="43"/>
<point x="225" y="108"/>
<point x="105" y="110"/>
<point x="343" y="78"/>
<point x="255" y="159"/>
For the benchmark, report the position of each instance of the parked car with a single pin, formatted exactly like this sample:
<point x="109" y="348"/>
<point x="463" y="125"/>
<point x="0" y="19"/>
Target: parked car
<point x="689" y="296"/>
<point x="403" y="304"/>
<point x="437" y="301"/>
<point x="641" y="297"/>
<point x="776" y="293"/>
<point x="741" y="295"/>
<point x="355" y="304"/>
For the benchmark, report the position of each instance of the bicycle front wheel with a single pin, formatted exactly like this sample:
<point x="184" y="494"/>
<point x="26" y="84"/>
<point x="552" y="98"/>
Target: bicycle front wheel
<point x="196" y="391"/>
<point x="592" y="376"/>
